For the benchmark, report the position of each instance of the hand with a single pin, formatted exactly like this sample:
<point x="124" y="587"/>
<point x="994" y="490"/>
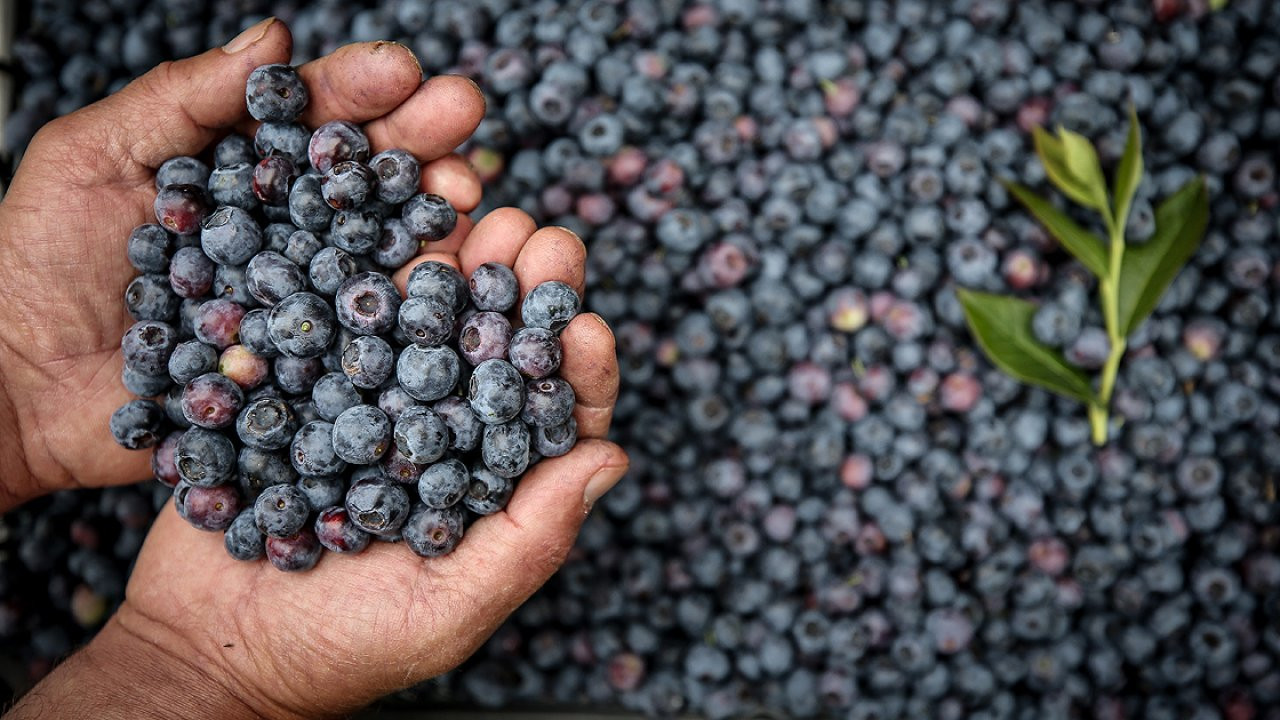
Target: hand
<point x="87" y="180"/>
<point x="203" y="635"/>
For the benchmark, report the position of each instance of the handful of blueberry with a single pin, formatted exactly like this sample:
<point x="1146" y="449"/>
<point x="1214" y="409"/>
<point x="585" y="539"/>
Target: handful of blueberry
<point x="314" y="408"/>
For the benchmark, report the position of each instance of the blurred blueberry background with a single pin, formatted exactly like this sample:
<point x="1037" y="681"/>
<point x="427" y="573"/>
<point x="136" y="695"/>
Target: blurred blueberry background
<point x="837" y="508"/>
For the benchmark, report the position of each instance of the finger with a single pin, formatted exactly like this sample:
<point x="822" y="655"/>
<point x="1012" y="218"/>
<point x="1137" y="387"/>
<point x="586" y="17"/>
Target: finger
<point x="452" y="178"/>
<point x="499" y="237"/>
<point x="178" y="107"/>
<point x="359" y="82"/>
<point x="437" y="118"/>
<point x="401" y="278"/>
<point x="590" y="365"/>
<point x="552" y="253"/>
<point x="444" y="251"/>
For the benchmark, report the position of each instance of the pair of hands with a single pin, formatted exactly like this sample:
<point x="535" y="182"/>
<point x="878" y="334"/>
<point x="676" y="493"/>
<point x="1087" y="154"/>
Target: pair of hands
<point x="200" y="634"/>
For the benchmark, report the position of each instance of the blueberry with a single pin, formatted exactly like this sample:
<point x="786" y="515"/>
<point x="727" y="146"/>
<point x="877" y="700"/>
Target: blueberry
<point x="295" y="375"/>
<point x="137" y="424"/>
<point x="496" y="391"/>
<point x="232" y="150"/>
<point x="554" y="440"/>
<point x="488" y="492"/>
<point x="217" y="323"/>
<point x="211" y="508"/>
<point x="254" y="335"/>
<point x="361" y="434"/>
<point x="505" y="448"/>
<point x="535" y="352"/>
<point x="394" y="401"/>
<point x="443" y="484"/>
<point x="296" y="553"/>
<point x="147" y="346"/>
<point x="270" y="277"/>
<point x="368" y="361"/>
<point x="181" y="208"/>
<point x="1054" y="325"/>
<point x="550" y="305"/>
<point x="548" y="401"/>
<point x="494" y="287"/>
<point x="465" y="429"/>
<point x="260" y="469"/>
<point x="287" y="139"/>
<point x="421" y="435"/>
<point x="397" y="173"/>
<point x="243" y="540"/>
<point x="333" y="394"/>
<point x="267" y="424"/>
<point x="425" y="320"/>
<point x="484" y="336"/>
<point x="150" y="248"/>
<point x="356" y="231"/>
<point x="211" y="401"/>
<point x="367" y="303"/>
<point x="307" y="207"/>
<point x="311" y="450"/>
<point x="329" y="269"/>
<point x="191" y="359"/>
<point x="323" y="491"/>
<point x="335" y="142"/>
<point x="163" y="465"/>
<point x="396" y="246"/>
<point x="1090" y="349"/>
<point x="301" y="325"/>
<point x="431" y="532"/>
<point x="427" y="373"/>
<point x="151" y="297"/>
<point x="230" y="236"/>
<point x="434" y="279"/>
<point x="302" y="247"/>
<point x="272" y="177"/>
<point x="377" y="507"/>
<point x="347" y="185"/>
<point x="205" y="458"/>
<point x="428" y="218"/>
<point x="275" y="93"/>
<point x="337" y="533"/>
<point x="396" y="467"/>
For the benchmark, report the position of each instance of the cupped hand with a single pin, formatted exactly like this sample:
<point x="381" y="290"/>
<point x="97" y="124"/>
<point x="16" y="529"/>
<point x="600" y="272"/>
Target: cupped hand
<point x="87" y="179"/>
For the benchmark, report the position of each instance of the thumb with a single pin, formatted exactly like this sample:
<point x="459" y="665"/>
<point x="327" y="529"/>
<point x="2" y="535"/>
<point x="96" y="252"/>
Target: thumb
<point x="178" y="108"/>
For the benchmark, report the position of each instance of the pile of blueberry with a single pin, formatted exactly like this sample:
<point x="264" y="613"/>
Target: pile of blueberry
<point x="314" y="409"/>
<point x="836" y="507"/>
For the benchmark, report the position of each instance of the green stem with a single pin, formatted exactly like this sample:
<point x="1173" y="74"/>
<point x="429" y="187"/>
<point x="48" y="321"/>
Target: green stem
<point x="1109" y="293"/>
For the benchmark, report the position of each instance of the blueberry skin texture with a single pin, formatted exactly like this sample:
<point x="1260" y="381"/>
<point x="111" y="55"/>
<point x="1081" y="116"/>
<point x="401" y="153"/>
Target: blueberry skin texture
<point x="367" y="303"/>
<point x="212" y="401"/>
<point x="398" y="173"/>
<point x="230" y="236"/>
<point x="205" y="458"/>
<point x="421" y="435"/>
<point x="494" y="287"/>
<point x="275" y="93"/>
<point x="281" y="510"/>
<point x="335" y="142"/>
<point x="440" y="281"/>
<point x="496" y="392"/>
<point x="554" y="440"/>
<point x="260" y="469"/>
<point x="368" y="361"/>
<point x="550" y="305"/>
<point x="296" y="553"/>
<point x="232" y="186"/>
<point x="181" y="208"/>
<point x="232" y="149"/>
<point x="428" y="217"/>
<point x="255" y="336"/>
<point x="465" y="429"/>
<point x="190" y="360"/>
<point x="535" y="352"/>
<point x="301" y="325"/>
<point x="322" y="491"/>
<point x="307" y="208"/>
<point x="425" y="320"/>
<point x="329" y="269"/>
<point x="488" y="492"/>
<point x="361" y="434"/>
<point x="347" y="185"/>
<point x="443" y="484"/>
<point x="151" y="297"/>
<point x="137" y="424"/>
<point x="147" y="346"/>
<point x="287" y="139"/>
<point x="431" y="532"/>
<point x="311" y="450"/>
<point x="484" y="336"/>
<point x="334" y="393"/>
<point x="271" y="277"/>
<point x="505" y="448"/>
<point x="357" y="230"/>
<point x="190" y="273"/>
<point x="150" y="248"/>
<point x="395" y="247"/>
<point x="267" y="424"/>
<point x="336" y="532"/>
<point x="142" y="384"/>
<point x="548" y="401"/>
<point x="295" y="375"/>
<point x="428" y="373"/>
<point x="301" y="248"/>
<point x="243" y="540"/>
<point x="181" y="170"/>
<point x="211" y="508"/>
<point x="272" y="178"/>
<point x="377" y="506"/>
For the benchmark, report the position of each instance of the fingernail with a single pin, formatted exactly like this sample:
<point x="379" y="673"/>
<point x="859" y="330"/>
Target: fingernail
<point x="247" y="38"/>
<point x="600" y="483"/>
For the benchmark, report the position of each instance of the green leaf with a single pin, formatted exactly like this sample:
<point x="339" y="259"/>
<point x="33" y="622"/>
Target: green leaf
<point x="1082" y="244"/>
<point x="1053" y="156"/>
<point x="1148" y="269"/>
<point x="1082" y="162"/>
<point x="1129" y="171"/>
<point x="1002" y="326"/>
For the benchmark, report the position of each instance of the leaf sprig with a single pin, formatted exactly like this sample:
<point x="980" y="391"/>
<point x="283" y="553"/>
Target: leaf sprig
<point x="1131" y="280"/>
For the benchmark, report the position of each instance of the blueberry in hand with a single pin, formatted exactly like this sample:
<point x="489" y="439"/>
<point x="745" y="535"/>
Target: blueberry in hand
<point x="212" y="508"/>
<point x="488" y="492"/>
<point x="428" y="373"/>
<point x="484" y="336"/>
<point x="272" y="178"/>
<point x="465" y="429"/>
<point x="275" y="93"/>
<point x="337" y="141"/>
<point x="271" y="277"/>
<point x="296" y="553"/>
<point x="190" y="360"/>
<point x="334" y="393"/>
<point x="554" y="440"/>
<point x="550" y="305"/>
<point x="377" y="506"/>
<point x="281" y="510"/>
<point x="361" y="434"/>
<point x="301" y="325"/>
<point x="368" y="361"/>
<point x="205" y="458"/>
<point x="137" y="424"/>
<point x="307" y="208"/>
<point x="441" y="281"/>
<point x="395" y="246"/>
<point x="425" y="320"/>
<point x="432" y="532"/>
<point x="505" y="448"/>
<point x="230" y="236"/>
<point x="233" y="149"/>
<point x="181" y="170"/>
<point x="150" y="248"/>
<point x="151" y="297"/>
<point x="398" y="173"/>
<point x="535" y="352"/>
<point x="347" y="185"/>
<point x="312" y="450"/>
<point x="443" y="484"/>
<point x="428" y="217"/>
<point x="191" y="273"/>
<point x="217" y="323"/>
<point x="329" y="269"/>
<point x="421" y="435"/>
<point x="147" y="346"/>
<point x="494" y="287"/>
<point x="356" y="230"/>
<point x="267" y="424"/>
<point x="243" y="540"/>
<point x="337" y="533"/>
<point x="287" y="139"/>
<point x="257" y="470"/>
<point x="233" y="186"/>
<point x="212" y="401"/>
<point x="295" y="375"/>
<point x="496" y="391"/>
<point x="181" y="208"/>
